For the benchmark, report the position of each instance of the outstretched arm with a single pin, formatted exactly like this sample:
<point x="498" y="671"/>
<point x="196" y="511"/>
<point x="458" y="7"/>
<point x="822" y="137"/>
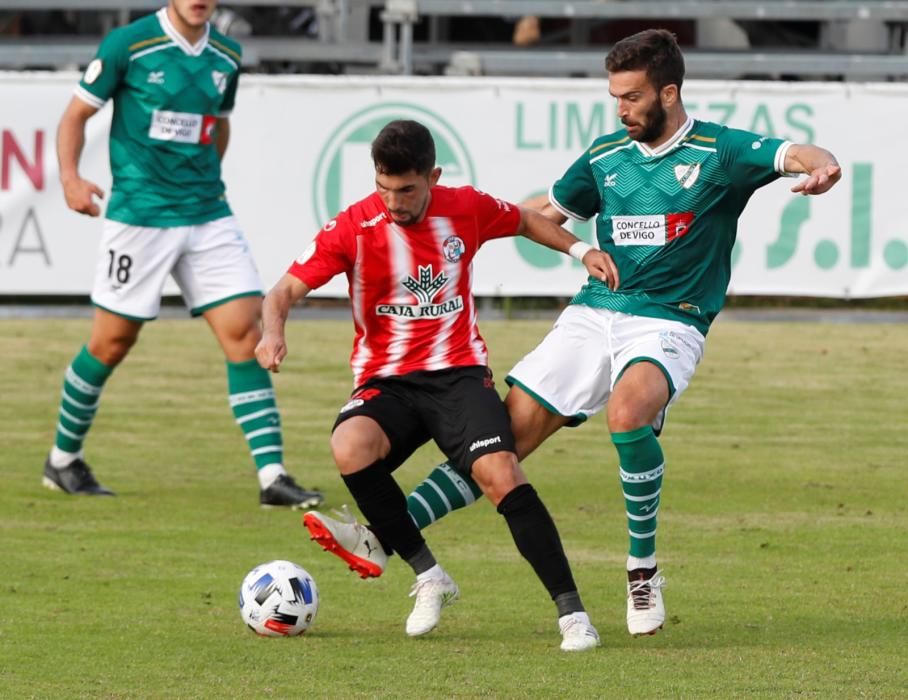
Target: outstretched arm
<point x="272" y="348"/>
<point x="542" y="204"/>
<point x="540" y="229"/>
<point x="820" y="166"/>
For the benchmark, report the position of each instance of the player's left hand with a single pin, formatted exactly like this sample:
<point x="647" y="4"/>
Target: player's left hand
<point x="819" y="181"/>
<point x="600" y="265"/>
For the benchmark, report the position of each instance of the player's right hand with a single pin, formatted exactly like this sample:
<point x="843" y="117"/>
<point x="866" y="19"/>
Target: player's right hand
<point x="270" y="352"/>
<point x="600" y="265"/>
<point x="80" y="196"/>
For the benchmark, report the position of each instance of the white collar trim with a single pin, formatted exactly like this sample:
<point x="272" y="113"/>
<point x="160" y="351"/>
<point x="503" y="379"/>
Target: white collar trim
<point x="671" y="143"/>
<point x="180" y="40"/>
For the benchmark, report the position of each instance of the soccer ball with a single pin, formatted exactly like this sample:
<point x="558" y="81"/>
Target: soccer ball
<point x="278" y="599"/>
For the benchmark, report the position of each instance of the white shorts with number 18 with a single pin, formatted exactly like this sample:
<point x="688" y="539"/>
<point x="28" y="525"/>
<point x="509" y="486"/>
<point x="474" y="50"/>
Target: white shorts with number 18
<point x="211" y="264"/>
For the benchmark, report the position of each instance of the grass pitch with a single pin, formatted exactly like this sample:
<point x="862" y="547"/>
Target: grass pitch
<point x="782" y="534"/>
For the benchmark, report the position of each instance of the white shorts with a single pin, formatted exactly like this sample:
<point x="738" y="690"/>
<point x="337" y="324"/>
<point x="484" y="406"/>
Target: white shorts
<point x="211" y="264"/>
<point x="573" y="370"/>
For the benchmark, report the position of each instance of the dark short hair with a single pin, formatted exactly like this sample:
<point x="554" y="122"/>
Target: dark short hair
<point x="654" y="50"/>
<point x="403" y="146"/>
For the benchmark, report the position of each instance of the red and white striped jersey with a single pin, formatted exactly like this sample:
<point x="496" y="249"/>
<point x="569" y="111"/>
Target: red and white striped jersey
<point x="410" y="286"/>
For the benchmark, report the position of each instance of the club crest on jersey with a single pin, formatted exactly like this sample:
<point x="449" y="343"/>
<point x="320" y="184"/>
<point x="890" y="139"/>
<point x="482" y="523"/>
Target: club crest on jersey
<point x="687" y="175"/>
<point x="220" y="80"/>
<point x="453" y="248"/>
<point x="425" y="288"/>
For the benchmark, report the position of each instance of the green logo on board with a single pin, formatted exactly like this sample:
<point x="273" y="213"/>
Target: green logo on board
<point x="344" y="172"/>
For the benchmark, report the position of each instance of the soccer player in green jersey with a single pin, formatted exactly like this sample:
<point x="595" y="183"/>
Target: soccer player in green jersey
<point x="666" y="192"/>
<point x="173" y="80"/>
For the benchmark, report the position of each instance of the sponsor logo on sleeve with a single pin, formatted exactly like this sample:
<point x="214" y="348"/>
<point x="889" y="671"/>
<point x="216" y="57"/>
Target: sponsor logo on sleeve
<point x="306" y="254"/>
<point x="93" y="71"/>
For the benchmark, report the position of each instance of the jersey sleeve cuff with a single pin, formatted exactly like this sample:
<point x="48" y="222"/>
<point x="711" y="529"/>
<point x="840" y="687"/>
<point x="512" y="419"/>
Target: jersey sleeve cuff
<point x="779" y="161"/>
<point x="564" y="210"/>
<point x="297" y="270"/>
<point x="224" y="114"/>
<point x="88" y="98"/>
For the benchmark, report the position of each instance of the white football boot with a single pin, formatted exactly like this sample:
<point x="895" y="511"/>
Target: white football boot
<point x="645" y="608"/>
<point x="351" y="541"/>
<point x="432" y="594"/>
<point x="577" y="632"/>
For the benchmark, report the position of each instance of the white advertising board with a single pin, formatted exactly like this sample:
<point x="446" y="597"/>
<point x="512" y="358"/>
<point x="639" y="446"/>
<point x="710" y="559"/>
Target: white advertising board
<point x="299" y="152"/>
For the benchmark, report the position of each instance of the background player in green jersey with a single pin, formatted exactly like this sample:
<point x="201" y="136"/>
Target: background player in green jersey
<point x="666" y="193"/>
<point x="173" y="80"/>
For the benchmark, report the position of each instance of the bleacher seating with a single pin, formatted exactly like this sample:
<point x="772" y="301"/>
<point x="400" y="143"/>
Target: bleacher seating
<point x="855" y="39"/>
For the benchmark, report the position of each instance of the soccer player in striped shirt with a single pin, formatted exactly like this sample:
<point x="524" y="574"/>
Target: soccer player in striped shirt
<point x="173" y="80"/>
<point x="420" y="368"/>
<point x="665" y="192"/>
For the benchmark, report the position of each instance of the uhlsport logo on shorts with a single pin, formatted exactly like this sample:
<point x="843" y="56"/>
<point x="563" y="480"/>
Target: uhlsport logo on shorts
<point x="344" y="172"/>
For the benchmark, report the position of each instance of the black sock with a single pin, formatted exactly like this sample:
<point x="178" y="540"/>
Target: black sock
<point x="385" y="507"/>
<point x="537" y="539"/>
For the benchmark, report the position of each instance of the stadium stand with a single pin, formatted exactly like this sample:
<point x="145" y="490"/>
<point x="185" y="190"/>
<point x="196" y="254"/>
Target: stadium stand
<point x="816" y="39"/>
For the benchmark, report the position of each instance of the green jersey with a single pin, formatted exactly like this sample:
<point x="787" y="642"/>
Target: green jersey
<point x="668" y="216"/>
<point x="167" y="96"/>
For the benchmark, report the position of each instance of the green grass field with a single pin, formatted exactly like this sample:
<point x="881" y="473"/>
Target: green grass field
<point x="782" y="534"/>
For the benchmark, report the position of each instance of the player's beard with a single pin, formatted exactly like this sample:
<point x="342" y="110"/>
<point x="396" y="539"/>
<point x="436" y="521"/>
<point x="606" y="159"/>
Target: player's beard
<point x="653" y="123"/>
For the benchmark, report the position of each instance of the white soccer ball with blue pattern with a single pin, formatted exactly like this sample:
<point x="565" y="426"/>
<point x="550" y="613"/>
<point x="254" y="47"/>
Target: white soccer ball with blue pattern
<point x="278" y="599"/>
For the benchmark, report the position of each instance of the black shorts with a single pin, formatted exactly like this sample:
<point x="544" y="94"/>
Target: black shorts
<point x="458" y="408"/>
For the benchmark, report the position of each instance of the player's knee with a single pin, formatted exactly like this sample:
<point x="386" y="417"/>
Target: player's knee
<point x="112" y="351"/>
<point x="241" y="340"/>
<point x="354" y="449"/>
<point x="497" y="474"/>
<point x="624" y="416"/>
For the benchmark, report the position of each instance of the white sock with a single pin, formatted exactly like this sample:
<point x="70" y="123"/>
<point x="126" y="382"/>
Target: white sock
<point x="60" y="459"/>
<point x="269" y="474"/>
<point x="435" y="572"/>
<point x="641" y="563"/>
<point x="582" y="616"/>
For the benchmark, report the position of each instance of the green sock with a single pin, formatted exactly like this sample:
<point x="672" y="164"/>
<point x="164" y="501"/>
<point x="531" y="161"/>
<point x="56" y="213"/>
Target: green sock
<point x="641" y="468"/>
<point x="443" y="491"/>
<point x="255" y="409"/>
<point x="82" y="386"/>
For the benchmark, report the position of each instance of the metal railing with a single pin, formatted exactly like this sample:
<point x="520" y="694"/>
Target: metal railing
<point x="399" y="53"/>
